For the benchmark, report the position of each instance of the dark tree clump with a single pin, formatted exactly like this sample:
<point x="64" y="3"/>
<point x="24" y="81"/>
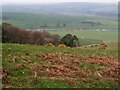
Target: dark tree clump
<point x="70" y="40"/>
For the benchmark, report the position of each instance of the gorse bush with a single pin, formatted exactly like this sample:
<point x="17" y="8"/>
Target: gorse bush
<point x="49" y="45"/>
<point x="70" y="40"/>
<point x="62" y="46"/>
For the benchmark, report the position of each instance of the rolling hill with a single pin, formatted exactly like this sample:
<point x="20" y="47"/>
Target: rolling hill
<point x="65" y="8"/>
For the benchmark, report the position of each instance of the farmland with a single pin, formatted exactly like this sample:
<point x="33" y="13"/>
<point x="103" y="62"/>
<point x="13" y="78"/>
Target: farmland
<point x="48" y="67"/>
<point x="35" y="21"/>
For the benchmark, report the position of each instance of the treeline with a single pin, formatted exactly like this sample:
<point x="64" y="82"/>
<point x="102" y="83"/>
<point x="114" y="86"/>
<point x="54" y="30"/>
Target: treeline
<point x="11" y="34"/>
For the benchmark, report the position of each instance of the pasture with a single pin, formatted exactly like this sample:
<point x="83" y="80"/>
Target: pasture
<point x="105" y="36"/>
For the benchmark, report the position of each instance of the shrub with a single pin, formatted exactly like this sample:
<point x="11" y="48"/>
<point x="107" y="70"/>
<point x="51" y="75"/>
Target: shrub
<point x="49" y="45"/>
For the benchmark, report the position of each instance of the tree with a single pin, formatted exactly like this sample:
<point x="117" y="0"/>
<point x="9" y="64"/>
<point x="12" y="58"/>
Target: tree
<point x="70" y="40"/>
<point x="64" y="24"/>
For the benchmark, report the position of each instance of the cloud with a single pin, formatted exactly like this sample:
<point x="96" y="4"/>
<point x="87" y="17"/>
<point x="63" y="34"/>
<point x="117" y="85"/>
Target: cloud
<point x="36" y="1"/>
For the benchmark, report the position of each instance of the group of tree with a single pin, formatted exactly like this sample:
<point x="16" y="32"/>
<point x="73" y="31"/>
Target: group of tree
<point x="58" y="24"/>
<point x="11" y="34"/>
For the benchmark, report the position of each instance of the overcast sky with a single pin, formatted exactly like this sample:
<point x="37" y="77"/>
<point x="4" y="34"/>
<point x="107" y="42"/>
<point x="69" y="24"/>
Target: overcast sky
<point x="45" y="1"/>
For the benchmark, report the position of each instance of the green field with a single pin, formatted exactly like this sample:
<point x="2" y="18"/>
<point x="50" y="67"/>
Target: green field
<point x="34" y="21"/>
<point x="33" y="66"/>
<point x="106" y="36"/>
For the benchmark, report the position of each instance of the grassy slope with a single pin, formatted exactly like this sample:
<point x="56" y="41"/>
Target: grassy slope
<point x="14" y="54"/>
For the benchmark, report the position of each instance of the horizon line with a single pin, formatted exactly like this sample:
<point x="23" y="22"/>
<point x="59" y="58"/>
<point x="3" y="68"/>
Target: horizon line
<point x="54" y="2"/>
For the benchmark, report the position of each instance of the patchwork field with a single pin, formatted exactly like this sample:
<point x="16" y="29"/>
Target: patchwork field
<point x="54" y="67"/>
<point x="54" y="21"/>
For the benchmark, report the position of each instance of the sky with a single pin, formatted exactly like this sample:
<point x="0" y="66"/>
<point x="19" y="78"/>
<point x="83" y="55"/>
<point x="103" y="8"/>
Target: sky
<point x="56" y="1"/>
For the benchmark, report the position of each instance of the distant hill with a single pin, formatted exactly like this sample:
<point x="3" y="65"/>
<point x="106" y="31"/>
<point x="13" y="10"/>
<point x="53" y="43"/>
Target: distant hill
<point x="110" y="10"/>
<point x="73" y="8"/>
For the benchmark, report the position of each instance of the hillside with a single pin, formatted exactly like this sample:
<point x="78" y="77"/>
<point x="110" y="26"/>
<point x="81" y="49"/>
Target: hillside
<point x="52" y="67"/>
<point x="73" y="8"/>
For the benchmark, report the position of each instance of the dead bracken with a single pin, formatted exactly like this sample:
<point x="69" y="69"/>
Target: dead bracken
<point x="57" y="66"/>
